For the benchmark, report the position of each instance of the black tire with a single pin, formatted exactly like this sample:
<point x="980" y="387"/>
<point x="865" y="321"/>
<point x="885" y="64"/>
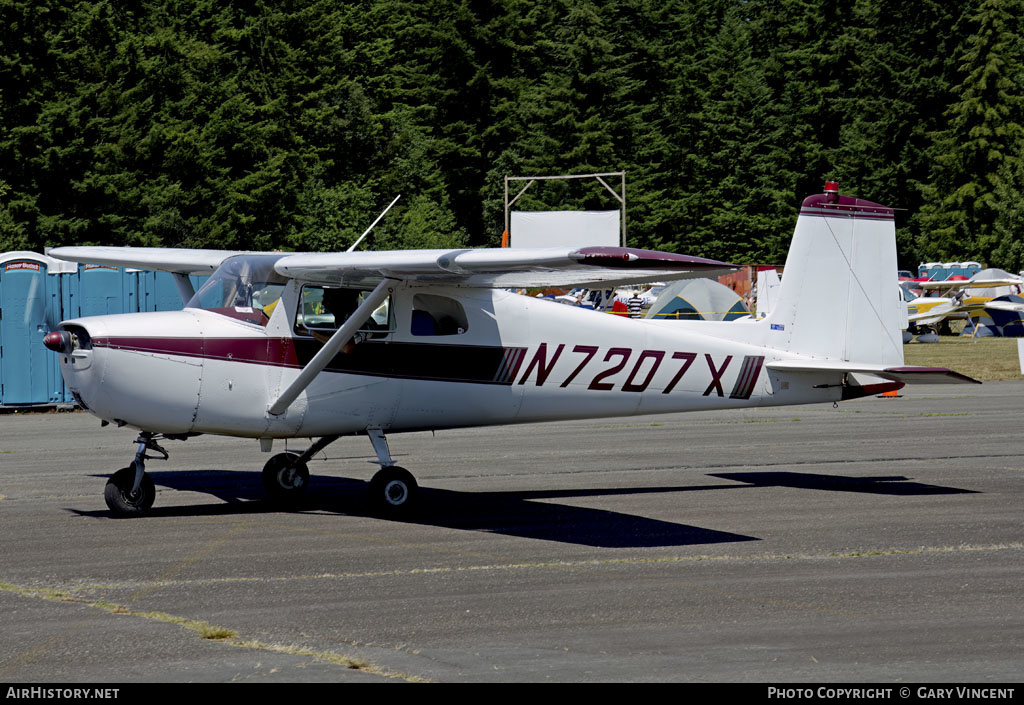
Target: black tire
<point x="394" y="492"/>
<point x="118" y="493"/>
<point x="285" y="479"/>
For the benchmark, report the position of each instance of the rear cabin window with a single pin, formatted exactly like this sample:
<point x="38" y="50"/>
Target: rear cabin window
<point x="438" y="315"/>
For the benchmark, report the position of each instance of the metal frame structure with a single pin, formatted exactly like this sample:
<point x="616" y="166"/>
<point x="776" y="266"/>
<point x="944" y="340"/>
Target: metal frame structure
<point x="620" y="197"/>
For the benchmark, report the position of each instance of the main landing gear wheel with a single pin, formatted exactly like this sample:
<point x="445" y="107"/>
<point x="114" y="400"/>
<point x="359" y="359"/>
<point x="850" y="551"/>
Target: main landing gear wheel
<point x="393" y="491"/>
<point x="285" y="478"/>
<point x="119" y="496"/>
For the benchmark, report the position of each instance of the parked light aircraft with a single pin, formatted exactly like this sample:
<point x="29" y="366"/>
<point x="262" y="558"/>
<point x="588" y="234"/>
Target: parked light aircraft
<point x="420" y="340"/>
<point x="926" y="313"/>
<point x="1007" y="315"/>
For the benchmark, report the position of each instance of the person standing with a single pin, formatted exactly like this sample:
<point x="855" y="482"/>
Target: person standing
<point x="635" y="304"/>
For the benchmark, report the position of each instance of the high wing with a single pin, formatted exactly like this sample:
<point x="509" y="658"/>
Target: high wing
<point x="487" y="268"/>
<point x="499" y="268"/>
<point x="965" y="284"/>
<point x="921" y="375"/>
<point x="162" y="259"/>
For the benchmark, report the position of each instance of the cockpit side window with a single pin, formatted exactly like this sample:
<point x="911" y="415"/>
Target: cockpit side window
<point x="327" y="308"/>
<point x="438" y="315"/>
<point x="244" y="287"/>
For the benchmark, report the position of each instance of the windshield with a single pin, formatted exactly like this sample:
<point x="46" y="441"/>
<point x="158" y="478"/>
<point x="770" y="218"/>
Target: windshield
<point x="244" y="287"/>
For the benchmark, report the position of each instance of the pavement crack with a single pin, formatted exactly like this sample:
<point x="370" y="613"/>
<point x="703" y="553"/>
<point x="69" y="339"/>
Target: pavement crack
<point x="211" y="632"/>
<point x="554" y="565"/>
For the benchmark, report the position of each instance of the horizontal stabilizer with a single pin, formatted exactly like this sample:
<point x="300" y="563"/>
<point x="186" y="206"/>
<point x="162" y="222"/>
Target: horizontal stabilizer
<point x="907" y="375"/>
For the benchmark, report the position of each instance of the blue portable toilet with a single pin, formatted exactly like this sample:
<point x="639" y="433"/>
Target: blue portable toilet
<point x="100" y="289"/>
<point x="31" y="287"/>
<point x="158" y="291"/>
<point x="38" y="291"/>
<point x="941" y="271"/>
<point x="104" y="289"/>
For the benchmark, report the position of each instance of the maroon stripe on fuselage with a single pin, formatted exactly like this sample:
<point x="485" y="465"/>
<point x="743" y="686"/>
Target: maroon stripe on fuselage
<point x="264" y="351"/>
<point x="632" y="258"/>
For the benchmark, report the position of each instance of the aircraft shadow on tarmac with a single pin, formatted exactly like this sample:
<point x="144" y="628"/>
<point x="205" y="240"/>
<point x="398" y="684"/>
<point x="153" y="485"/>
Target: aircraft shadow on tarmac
<point x="516" y="513"/>
<point x="509" y="513"/>
<point x="890" y="485"/>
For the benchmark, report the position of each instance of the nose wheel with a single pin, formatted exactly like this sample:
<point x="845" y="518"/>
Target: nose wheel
<point x="130" y="491"/>
<point x="123" y="498"/>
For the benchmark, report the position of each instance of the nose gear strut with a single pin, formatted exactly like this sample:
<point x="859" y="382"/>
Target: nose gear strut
<point x="146" y="441"/>
<point x="130" y="491"/>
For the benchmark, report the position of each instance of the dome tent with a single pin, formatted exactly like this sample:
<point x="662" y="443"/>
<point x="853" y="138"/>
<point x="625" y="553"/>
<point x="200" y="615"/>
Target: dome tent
<point x="998" y="290"/>
<point x="698" y="300"/>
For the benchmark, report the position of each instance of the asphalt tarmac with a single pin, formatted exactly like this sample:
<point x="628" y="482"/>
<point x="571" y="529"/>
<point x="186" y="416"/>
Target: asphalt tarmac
<point x="880" y="541"/>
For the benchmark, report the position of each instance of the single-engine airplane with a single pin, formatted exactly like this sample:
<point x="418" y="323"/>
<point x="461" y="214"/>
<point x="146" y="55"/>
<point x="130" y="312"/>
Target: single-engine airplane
<point x="320" y="346"/>
<point x="955" y="298"/>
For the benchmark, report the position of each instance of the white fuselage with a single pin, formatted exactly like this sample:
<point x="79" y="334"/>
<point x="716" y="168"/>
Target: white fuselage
<point x="516" y="360"/>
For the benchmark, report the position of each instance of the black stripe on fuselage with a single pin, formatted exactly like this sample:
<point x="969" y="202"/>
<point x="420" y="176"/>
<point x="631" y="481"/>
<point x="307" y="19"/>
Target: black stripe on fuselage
<point x="451" y="363"/>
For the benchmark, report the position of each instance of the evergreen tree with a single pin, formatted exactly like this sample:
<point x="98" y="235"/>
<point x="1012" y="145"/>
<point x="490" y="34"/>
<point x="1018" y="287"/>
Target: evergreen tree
<point x="665" y="165"/>
<point x="894" y="98"/>
<point x="291" y="125"/>
<point x="983" y="130"/>
<point x="806" y="53"/>
<point x="507" y="46"/>
<point x="729" y="143"/>
<point x="1008" y="228"/>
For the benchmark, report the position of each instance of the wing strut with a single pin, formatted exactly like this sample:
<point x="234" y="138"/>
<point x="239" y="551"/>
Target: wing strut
<point x="185" y="289"/>
<point x="337" y="341"/>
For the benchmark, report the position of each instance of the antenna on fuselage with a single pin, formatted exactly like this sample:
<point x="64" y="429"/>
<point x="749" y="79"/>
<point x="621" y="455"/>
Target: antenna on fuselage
<point x="373" y="223"/>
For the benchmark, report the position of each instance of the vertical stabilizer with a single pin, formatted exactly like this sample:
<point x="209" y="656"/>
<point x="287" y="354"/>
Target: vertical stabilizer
<point x="839" y="299"/>
<point x="767" y="290"/>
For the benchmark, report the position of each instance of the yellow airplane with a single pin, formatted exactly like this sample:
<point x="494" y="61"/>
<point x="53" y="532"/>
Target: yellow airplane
<point x="926" y="313"/>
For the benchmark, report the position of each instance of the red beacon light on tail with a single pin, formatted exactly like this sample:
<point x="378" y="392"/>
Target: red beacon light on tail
<point x="832" y="191"/>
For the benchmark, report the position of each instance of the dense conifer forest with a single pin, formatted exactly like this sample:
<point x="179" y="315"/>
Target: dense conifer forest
<point x="291" y="124"/>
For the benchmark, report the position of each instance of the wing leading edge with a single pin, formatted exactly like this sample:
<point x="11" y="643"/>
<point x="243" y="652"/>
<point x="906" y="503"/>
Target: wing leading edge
<point x="499" y="268"/>
<point x="162" y="259"/>
<point x="486" y="268"/>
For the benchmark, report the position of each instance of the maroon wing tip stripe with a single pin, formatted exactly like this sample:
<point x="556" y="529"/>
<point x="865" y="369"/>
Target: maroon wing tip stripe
<point x="938" y="371"/>
<point x="633" y="258"/>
